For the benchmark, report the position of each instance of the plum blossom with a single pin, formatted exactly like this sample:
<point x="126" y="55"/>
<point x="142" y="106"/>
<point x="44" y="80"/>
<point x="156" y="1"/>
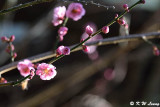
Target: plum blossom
<point x="12" y="38"/>
<point x="121" y="21"/>
<point x="62" y="32"/>
<point x="58" y="15"/>
<point x="3" y="80"/>
<point x="156" y="51"/>
<point x="85" y="48"/>
<point x="91" y="49"/>
<point x="46" y="71"/>
<point x="89" y="30"/>
<point x="62" y="50"/>
<point x="75" y="11"/>
<point x="25" y="67"/>
<point x="4" y="39"/>
<point x="105" y="29"/>
<point x="125" y="6"/>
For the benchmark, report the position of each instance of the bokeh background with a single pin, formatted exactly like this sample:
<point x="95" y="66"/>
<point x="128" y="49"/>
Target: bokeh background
<point x="122" y="73"/>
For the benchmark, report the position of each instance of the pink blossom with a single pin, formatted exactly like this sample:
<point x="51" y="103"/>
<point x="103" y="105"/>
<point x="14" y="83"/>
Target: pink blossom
<point x="14" y="55"/>
<point x="59" y="50"/>
<point x="62" y="32"/>
<point x="10" y="48"/>
<point x="46" y="71"/>
<point x="58" y="15"/>
<point x="25" y="67"/>
<point x="85" y="48"/>
<point x="12" y="38"/>
<point x="62" y="50"/>
<point x="4" y="39"/>
<point x="121" y="21"/>
<point x="75" y="11"/>
<point x="89" y="30"/>
<point x="105" y="29"/>
<point x="66" y="50"/>
<point x="92" y="49"/>
<point x="61" y="38"/>
<point x="3" y="80"/>
<point x="125" y="6"/>
<point x="109" y="74"/>
<point x="116" y="15"/>
<point x="156" y="51"/>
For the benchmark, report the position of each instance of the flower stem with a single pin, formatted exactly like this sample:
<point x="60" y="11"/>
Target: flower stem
<point x="14" y="83"/>
<point x="57" y="38"/>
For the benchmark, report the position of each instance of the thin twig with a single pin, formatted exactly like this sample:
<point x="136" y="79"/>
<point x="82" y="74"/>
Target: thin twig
<point x="107" y="41"/>
<point x="20" y="6"/>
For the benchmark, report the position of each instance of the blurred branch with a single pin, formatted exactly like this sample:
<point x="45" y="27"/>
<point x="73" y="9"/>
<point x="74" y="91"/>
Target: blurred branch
<point x="107" y="41"/>
<point x="20" y="6"/>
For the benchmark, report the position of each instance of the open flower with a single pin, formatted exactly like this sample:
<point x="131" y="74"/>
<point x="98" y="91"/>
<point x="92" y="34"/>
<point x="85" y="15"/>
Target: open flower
<point x="46" y="71"/>
<point x="75" y="11"/>
<point x="25" y="67"/>
<point x="58" y="15"/>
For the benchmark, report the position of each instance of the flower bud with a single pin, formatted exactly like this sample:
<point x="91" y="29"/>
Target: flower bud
<point x="116" y="15"/>
<point x="14" y="55"/>
<point x="4" y="39"/>
<point x="156" y="51"/>
<point x="85" y="48"/>
<point x="10" y="48"/>
<point x="125" y="6"/>
<point x="121" y="21"/>
<point x="12" y="38"/>
<point x="66" y="51"/>
<point x="89" y="30"/>
<point x="3" y="80"/>
<point x="62" y="31"/>
<point x="105" y="29"/>
<point x="59" y="50"/>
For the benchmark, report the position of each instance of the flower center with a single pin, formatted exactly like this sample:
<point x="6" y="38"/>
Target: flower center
<point x="76" y="10"/>
<point x="46" y="71"/>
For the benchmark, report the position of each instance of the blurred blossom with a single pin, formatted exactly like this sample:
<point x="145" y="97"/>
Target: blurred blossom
<point x="92" y="53"/>
<point x="75" y="11"/>
<point x="90" y="100"/>
<point x="109" y="74"/>
<point x="12" y="38"/>
<point x="3" y="80"/>
<point x="58" y="15"/>
<point x="4" y="39"/>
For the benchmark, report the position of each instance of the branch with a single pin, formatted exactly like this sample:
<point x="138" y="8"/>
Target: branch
<point x="107" y="41"/>
<point x="20" y="6"/>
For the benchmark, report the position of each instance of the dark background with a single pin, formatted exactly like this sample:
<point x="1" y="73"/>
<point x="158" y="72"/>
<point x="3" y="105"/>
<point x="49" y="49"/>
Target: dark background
<point x="80" y="82"/>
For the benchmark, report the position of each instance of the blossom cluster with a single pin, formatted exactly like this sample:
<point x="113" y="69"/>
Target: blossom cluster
<point x="75" y="11"/>
<point x="44" y="70"/>
<point x="10" y="47"/>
